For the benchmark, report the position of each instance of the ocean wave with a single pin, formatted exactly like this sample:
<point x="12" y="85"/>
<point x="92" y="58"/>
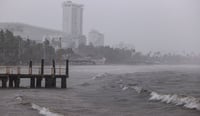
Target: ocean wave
<point x="185" y="101"/>
<point x="125" y="88"/>
<point x="178" y="100"/>
<point x="41" y="110"/>
<point x="19" y="98"/>
<point x="44" y="111"/>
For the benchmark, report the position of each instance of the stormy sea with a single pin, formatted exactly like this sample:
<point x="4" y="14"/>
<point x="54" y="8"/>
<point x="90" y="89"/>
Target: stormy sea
<point x="112" y="90"/>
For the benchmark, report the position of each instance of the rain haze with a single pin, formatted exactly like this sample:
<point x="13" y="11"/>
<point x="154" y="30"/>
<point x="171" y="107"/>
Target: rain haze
<point x="150" y="25"/>
<point x="99" y="57"/>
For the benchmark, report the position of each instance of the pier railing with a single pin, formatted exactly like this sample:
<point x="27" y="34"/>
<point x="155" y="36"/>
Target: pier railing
<point x="11" y="75"/>
<point x="48" y="70"/>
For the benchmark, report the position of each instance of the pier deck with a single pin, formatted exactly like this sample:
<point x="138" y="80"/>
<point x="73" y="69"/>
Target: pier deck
<point x="11" y="75"/>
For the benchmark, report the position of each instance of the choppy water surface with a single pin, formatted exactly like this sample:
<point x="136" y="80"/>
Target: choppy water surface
<point x="112" y="91"/>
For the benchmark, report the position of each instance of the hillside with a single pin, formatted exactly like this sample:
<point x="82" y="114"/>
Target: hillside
<point x="29" y="31"/>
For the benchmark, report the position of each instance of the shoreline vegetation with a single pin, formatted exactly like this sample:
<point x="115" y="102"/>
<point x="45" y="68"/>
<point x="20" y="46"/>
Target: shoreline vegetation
<point x="14" y="50"/>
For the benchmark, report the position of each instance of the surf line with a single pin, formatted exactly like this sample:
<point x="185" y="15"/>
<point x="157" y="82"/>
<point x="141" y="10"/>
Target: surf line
<point x="44" y="111"/>
<point x="178" y="100"/>
<point x="41" y="110"/>
<point x="185" y="101"/>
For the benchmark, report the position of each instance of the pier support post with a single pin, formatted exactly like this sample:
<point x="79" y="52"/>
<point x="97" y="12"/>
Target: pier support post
<point x="64" y="79"/>
<point x="11" y="80"/>
<point x="54" y="73"/>
<point x="4" y="82"/>
<point x="46" y="82"/>
<point x="17" y="81"/>
<point x="39" y="82"/>
<point x="50" y="81"/>
<point x="32" y="80"/>
<point x="67" y="68"/>
<point x="17" y="78"/>
<point x="39" y="79"/>
<point x="63" y="82"/>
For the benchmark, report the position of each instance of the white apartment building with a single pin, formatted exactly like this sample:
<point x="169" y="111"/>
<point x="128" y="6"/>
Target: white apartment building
<point x="73" y="24"/>
<point x="72" y="18"/>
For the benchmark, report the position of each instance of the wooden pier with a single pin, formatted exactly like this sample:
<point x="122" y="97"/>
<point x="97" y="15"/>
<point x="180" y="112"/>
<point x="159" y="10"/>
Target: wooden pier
<point x="12" y="75"/>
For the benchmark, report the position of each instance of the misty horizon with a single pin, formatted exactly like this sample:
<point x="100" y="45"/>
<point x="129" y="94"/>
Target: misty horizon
<point x="166" y="26"/>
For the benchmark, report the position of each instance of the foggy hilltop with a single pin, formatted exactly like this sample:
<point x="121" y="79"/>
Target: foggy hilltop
<point x="29" y="31"/>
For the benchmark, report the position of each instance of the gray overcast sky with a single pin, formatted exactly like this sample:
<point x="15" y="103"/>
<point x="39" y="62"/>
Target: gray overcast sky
<point x="157" y="25"/>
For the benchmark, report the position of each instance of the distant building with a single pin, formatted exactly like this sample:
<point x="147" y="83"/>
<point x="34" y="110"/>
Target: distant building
<point x="73" y="24"/>
<point x="95" y="38"/>
<point x="72" y="18"/>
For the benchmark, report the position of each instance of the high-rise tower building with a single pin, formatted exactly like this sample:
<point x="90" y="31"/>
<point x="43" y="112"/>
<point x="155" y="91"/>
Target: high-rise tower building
<point x="73" y="25"/>
<point x="72" y="19"/>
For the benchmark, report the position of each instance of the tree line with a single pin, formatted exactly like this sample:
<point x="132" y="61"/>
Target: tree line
<point x="131" y="56"/>
<point x="16" y="51"/>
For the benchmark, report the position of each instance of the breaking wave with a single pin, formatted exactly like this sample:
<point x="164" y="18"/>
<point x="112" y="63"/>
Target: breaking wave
<point x="41" y="110"/>
<point x="178" y="100"/>
<point x="44" y="111"/>
<point x="185" y="101"/>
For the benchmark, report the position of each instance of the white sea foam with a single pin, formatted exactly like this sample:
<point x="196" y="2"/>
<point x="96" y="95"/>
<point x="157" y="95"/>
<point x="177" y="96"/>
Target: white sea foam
<point x="137" y="89"/>
<point x="44" y="111"/>
<point x="125" y="88"/>
<point x="185" y="101"/>
<point x="19" y="98"/>
<point x="179" y="100"/>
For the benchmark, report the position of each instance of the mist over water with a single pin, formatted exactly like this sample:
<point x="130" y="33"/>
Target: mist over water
<point x="120" y="57"/>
